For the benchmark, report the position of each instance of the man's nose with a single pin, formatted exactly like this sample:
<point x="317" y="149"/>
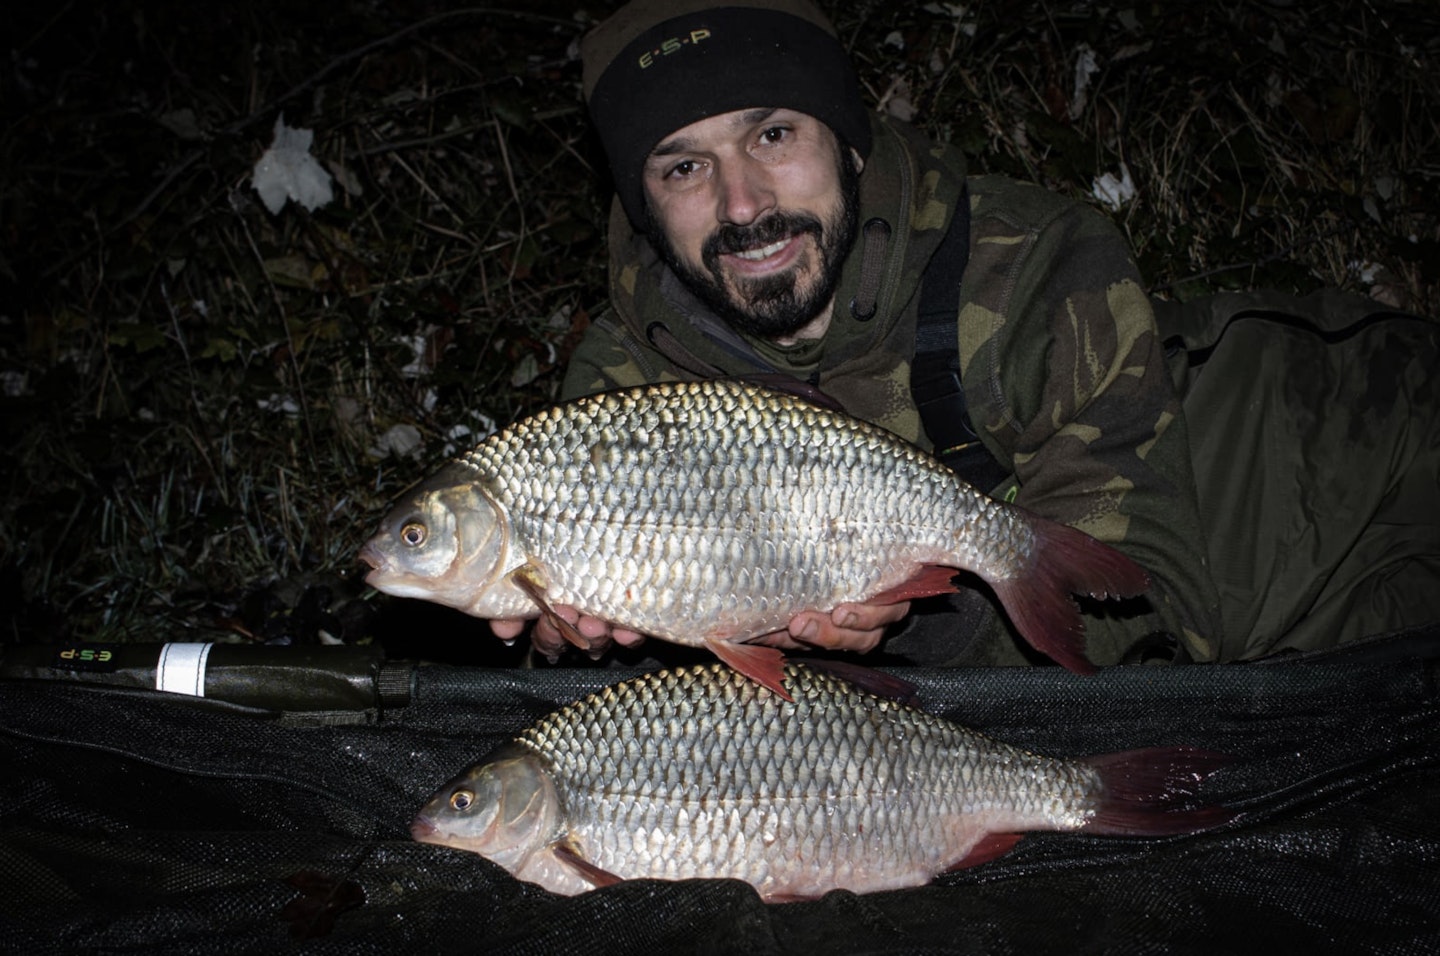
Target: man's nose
<point x="746" y="193"/>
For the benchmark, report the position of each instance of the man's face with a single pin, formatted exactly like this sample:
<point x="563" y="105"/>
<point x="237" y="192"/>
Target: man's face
<point x="755" y="210"/>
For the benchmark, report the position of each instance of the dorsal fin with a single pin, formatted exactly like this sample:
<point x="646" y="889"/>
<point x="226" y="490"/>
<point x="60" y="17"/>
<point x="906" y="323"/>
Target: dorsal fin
<point x="780" y="382"/>
<point x="867" y="679"/>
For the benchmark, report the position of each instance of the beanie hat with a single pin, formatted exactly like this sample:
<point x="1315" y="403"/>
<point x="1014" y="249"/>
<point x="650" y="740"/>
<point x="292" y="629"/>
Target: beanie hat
<point x="656" y="66"/>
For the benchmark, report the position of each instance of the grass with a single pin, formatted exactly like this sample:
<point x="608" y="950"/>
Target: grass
<point x="207" y="406"/>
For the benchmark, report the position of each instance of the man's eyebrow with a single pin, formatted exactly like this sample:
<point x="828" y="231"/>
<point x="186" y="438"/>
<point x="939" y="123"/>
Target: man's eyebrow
<point x="670" y="147"/>
<point x="758" y="115"/>
<point x="684" y="144"/>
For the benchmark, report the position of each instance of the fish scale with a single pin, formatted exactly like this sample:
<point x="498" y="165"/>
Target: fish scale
<point x="761" y="468"/>
<point x="700" y="772"/>
<point x="709" y="513"/>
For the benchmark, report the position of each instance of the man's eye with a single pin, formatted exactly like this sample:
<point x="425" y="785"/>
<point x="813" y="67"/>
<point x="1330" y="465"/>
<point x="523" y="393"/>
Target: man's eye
<point x="682" y="169"/>
<point x="774" y="134"/>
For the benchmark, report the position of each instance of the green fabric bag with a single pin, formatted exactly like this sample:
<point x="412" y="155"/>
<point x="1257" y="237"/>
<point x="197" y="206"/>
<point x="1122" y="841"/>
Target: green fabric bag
<point x="1315" y="432"/>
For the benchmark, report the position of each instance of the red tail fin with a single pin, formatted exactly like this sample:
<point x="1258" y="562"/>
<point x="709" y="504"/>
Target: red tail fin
<point x="1143" y="786"/>
<point x="1065" y="561"/>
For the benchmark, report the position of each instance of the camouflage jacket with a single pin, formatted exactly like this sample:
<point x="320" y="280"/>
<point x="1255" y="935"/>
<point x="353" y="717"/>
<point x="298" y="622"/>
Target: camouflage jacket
<point x="1060" y="362"/>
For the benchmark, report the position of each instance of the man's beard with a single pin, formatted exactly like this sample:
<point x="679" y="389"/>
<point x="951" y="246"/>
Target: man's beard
<point x="775" y="306"/>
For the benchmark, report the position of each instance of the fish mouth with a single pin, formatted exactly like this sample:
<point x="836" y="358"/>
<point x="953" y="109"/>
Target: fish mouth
<point x="370" y="555"/>
<point x="422" y="830"/>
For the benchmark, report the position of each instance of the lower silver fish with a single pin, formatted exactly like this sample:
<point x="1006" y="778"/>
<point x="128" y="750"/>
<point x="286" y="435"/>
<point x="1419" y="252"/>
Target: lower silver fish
<point x="700" y="772"/>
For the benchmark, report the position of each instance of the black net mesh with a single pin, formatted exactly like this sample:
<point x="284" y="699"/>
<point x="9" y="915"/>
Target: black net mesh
<point x="135" y="821"/>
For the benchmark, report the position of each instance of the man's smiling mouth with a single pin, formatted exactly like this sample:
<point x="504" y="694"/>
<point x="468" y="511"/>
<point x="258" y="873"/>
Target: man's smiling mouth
<point x="764" y="252"/>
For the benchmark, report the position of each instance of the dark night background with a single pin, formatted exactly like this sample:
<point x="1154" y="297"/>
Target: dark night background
<point x="206" y="407"/>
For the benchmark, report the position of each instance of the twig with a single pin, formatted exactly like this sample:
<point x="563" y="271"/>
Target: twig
<point x="244" y="122"/>
<point x="514" y="192"/>
<point x="304" y="402"/>
<point x="1276" y="256"/>
<point x="368" y="48"/>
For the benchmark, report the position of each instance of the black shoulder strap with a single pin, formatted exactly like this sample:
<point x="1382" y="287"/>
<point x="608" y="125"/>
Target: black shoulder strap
<point x="935" y="371"/>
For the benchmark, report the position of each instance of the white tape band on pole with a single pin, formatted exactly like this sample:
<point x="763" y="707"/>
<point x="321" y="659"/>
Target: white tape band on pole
<point x="181" y="669"/>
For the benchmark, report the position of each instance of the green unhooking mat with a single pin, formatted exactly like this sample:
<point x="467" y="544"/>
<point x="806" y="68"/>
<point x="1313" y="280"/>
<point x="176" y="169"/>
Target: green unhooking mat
<point x="136" y="820"/>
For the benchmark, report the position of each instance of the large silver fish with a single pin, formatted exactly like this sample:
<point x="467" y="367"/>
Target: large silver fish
<point x="700" y="772"/>
<point x="709" y="513"/>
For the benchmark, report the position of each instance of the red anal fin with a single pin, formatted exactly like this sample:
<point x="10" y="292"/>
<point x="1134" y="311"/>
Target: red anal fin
<point x="1065" y="561"/>
<point x="927" y="582"/>
<point x="764" y="665"/>
<point x="571" y="857"/>
<point x="991" y="846"/>
<point x="527" y="578"/>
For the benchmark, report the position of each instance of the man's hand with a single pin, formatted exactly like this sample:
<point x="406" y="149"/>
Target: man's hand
<point x="849" y="627"/>
<point x="547" y="640"/>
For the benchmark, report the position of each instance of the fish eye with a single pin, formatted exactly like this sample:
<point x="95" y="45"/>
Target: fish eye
<point x="461" y="800"/>
<point x="413" y="534"/>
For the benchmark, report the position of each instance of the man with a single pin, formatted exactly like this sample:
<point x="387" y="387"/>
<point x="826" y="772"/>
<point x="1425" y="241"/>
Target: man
<point x="766" y="221"/>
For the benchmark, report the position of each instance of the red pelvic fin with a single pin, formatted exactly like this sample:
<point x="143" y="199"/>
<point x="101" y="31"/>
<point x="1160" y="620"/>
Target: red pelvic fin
<point x="764" y="665"/>
<point x="991" y="846"/>
<point x="1065" y="561"/>
<point x="789" y="898"/>
<point x="571" y="857"/>
<point x="927" y="582"/>
<point x="527" y="578"/>
<point x="1142" y="790"/>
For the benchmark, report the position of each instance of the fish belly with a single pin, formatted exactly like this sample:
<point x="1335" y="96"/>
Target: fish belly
<point x="788" y="848"/>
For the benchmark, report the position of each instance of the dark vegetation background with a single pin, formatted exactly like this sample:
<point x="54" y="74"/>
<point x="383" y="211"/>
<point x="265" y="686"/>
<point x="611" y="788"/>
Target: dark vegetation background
<point x="206" y="407"/>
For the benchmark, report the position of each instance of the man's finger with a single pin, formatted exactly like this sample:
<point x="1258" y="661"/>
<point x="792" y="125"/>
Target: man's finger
<point x="627" y="638"/>
<point x="507" y="629"/>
